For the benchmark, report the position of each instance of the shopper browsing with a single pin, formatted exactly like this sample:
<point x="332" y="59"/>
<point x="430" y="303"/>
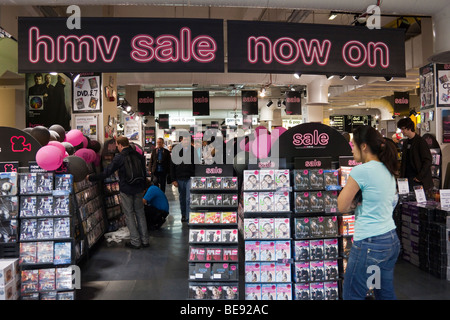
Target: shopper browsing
<point x="416" y="157"/>
<point x="131" y="194"/>
<point x="376" y="246"/>
<point x="159" y="165"/>
<point x="156" y="207"/>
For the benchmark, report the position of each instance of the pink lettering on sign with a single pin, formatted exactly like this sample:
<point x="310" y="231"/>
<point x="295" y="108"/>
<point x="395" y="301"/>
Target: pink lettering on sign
<point x="201" y="100"/>
<point x="314" y="163"/>
<point x="356" y="54"/>
<point x="287" y="51"/>
<point x="310" y="139"/>
<point x="18" y="144"/>
<point x="71" y="47"/>
<point x="249" y="99"/>
<point x="146" y="100"/>
<point x="169" y="48"/>
<point x="213" y="170"/>
<point x="401" y="101"/>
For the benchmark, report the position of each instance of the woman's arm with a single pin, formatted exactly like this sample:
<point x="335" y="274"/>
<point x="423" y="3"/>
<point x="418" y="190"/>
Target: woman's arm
<point x="347" y="194"/>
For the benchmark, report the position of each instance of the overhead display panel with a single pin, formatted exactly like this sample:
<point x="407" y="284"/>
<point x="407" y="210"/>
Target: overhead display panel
<point x="273" y="47"/>
<point x="121" y="45"/>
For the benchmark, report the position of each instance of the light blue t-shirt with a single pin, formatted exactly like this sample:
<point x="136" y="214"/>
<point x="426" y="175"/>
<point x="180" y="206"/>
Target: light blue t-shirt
<point x="379" y="198"/>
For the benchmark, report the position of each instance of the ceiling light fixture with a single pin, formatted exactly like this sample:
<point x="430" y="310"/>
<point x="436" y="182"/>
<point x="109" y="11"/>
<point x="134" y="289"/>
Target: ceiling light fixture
<point x="329" y="77"/>
<point x="388" y="78"/>
<point x="342" y="77"/>
<point x="332" y="16"/>
<point x="269" y="103"/>
<point x="297" y="75"/>
<point x="356" y="78"/>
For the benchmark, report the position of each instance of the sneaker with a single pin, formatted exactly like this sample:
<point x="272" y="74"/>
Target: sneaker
<point x="132" y="246"/>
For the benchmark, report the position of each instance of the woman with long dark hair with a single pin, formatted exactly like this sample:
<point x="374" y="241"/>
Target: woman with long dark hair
<point x="375" y="243"/>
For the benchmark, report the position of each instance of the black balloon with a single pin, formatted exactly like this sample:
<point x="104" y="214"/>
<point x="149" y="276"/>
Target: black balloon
<point x="69" y="148"/>
<point x="41" y="134"/>
<point x="77" y="167"/>
<point x="54" y="136"/>
<point x="60" y="130"/>
<point x="94" y="145"/>
<point x="27" y="130"/>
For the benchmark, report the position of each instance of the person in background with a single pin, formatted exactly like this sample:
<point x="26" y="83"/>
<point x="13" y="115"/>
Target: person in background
<point x="159" y="166"/>
<point x="375" y="241"/>
<point x="416" y="157"/>
<point x="156" y="207"/>
<point x="130" y="194"/>
<point x="181" y="171"/>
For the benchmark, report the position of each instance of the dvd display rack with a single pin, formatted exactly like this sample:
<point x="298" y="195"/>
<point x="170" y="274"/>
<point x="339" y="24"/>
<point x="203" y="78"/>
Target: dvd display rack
<point x="316" y="234"/>
<point x="46" y="235"/>
<point x="9" y="214"/>
<point x="267" y="220"/>
<point x="213" y="238"/>
<point x="114" y="214"/>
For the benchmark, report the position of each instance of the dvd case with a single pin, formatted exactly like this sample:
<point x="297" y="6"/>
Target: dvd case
<point x="316" y="250"/>
<point x="282" y="228"/>
<point x="331" y="270"/>
<point x="316" y="201"/>
<point x="283" y="249"/>
<point x="213" y="235"/>
<point x="198" y="183"/>
<point x="64" y="279"/>
<point x="28" y="183"/>
<point x="266" y="201"/>
<point x="61" y="228"/>
<point x="330" y="226"/>
<point x="252" y="272"/>
<point x="214" y="254"/>
<point x="302" y="228"/>
<point x="197" y="254"/>
<point x="317" y="291"/>
<point x="316" y="179"/>
<point x="267" y="228"/>
<point x="251" y="180"/>
<point x="231" y="292"/>
<point x="220" y="271"/>
<point x="30" y="281"/>
<point x="202" y="271"/>
<point x="302" y="250"/>
<point x="252" y="291"/>
<point x="63" y="182"/>
<point x="62" y="253"/>
<point x="47" y="279"/>
<point x="267" y="251"/>
<point x="267" y="271"/>
<point x="330" y="201"/>
<point x="251" y="201"/>
<point x="283" y="272"/>
<point x="198" y="292"/>
<point x="28" y="252"/>
<point x="301" y="179"/>
<point x="229" y="217"/>
<point x="44" y="183"/>
<point x="331" y="290"/>
<point x="229" y="199"/>
<point x="230" y="254"/>
<point x="284" y="291"/>
<point x="214" y="183"/>
<point x="61" y="205"/>
<point x="252" y="251"/>
<point x="44" y="206"/>
<point x="302" y="291"/>
<point x="302" y="271"/>
<point x="282" y="178"/>
<point x="331" y="248"/>
<point x="302" y="202"/>
<point x="215" y="292"/>
<point x="281" y="202"/>
<point x="28" y="206"/>
<point x="197" y="217"/>
<point x="230" y="183"/>
<point x="317" y="272"/>
<point x="229" y="235"/>
<point x="316" y="227"/>
<point x="267" y="180"/>
<point x="45" y="228"/>
<point x="28" y="229"/>
<point x="44" y="252"/>
<point x="9" y="207"/>
<point x="8" y="183"/>
<point x="268" y="291"/>
<point x="251" y="228"/>
<point x="196" y="235"/>
<point x="331" y="179"/>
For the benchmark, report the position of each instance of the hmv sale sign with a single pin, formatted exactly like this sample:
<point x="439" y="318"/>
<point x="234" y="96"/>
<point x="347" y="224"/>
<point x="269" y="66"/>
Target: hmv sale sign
<point x="121" y="45"/>
<point x="275" y="47"/>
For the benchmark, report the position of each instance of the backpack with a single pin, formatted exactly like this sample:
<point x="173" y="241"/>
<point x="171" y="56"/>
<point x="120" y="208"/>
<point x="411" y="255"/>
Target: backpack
<point x="134" y="171"/>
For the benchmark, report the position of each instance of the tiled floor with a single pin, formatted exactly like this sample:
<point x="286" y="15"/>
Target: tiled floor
<point x="114" y="272"/>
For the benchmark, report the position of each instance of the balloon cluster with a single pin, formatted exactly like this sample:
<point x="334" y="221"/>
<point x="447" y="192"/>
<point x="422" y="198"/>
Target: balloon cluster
<point x="59" y="146"/>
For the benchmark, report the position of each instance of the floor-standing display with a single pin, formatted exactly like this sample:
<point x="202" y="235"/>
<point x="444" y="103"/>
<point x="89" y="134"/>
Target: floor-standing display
<point x="213" y="237"/>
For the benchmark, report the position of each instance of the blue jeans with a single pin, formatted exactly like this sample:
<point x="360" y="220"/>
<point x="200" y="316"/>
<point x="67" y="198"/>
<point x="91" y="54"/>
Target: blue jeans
<point x="369" y="258"/>
<point x="184" y="190"/>
<point x="133" y="208"/>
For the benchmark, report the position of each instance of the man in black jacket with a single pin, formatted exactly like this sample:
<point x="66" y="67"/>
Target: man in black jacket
<point x="130" y="194"/>
<point x="416" y="157"/>
<point x="182" y="169"/>
<point x="159" y="165"/>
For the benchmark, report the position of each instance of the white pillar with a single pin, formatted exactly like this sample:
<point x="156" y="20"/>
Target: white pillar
<point x="317" y="98"/>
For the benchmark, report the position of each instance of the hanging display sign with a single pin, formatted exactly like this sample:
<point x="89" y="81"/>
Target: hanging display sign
<point x="163" y="121"/>
<point x="401" y="103"/>
<point x="338" y="122"/>
<point x="273" y="47"/>
<point x="249" y="102"/>
<point x="121" y="45"/>
<point x="293" y="103"/>
<point x="426" y="80"/>
<point x="200" y="103"/>
<point x="146" y="103"/>
<point x="17" y="146"/>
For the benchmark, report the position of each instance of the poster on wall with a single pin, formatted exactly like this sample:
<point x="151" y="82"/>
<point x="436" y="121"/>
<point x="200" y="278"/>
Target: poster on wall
<point x="88" y="124"/>
<point x="87" y="93"/>
<point x="446" y="126"/>
<point x="48" y="99"/>
<point x="132" y="128"/>
<point x="426" y="81"/>
<point x="443" y="85"/>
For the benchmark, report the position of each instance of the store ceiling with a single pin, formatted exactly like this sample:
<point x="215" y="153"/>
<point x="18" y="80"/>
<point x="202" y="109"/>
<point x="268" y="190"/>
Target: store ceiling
<point x="343" y="93"/>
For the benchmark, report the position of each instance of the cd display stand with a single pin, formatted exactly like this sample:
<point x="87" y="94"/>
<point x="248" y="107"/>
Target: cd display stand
<point x="213" y="235"/>
<point x="267" y="234"/>
<point x="46" y="235"/>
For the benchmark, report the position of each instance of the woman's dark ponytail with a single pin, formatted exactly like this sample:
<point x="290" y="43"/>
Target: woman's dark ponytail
<point x="384" y="148"/>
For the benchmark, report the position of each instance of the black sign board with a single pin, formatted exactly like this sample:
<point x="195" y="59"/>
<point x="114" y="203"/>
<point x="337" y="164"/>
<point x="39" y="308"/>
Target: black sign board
<point x="274" y="47"/>
<point x="17" y="145"/>
<point x="348" y="161"/>
<point x="121" y="45"/>
<point x="146" y="103"/>
<point x="163" y="121"/>
<point x="401" y="103"/>
<point x="9" y="166"/>
<point x="249" y="102"/>
<point x="200" y="103"/>
<point x="293" y="103"/>
<point x="338" y="122"/>
<point x="219" y="170"/>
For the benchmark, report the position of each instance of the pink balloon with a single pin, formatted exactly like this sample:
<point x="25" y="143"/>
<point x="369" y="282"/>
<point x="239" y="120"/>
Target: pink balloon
<point x="92" y="155"/>
<point x="261" y="146"/>
<point x="57" y="144"/>
<point x="49" y="157"/>
<point x="74" y="137"/>
<point x="260" y="130"/>
<point x="85" y="142"/>
<point x="85" y="154"/>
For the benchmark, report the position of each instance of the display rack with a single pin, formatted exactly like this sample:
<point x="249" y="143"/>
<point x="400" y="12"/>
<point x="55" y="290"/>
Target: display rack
<point x="267" y="220"/>
<point x="213" y="236"/>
